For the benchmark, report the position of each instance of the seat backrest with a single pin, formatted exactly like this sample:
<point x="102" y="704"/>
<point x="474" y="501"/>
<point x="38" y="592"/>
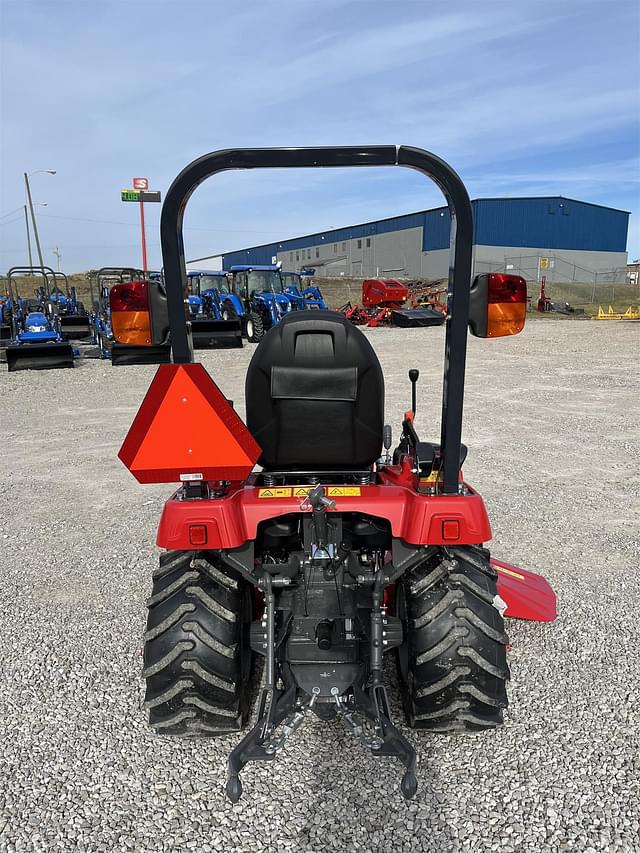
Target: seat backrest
<point x="315" y="395"/>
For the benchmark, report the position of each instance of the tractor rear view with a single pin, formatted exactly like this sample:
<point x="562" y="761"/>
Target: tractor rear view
<point x="342" y="548"/>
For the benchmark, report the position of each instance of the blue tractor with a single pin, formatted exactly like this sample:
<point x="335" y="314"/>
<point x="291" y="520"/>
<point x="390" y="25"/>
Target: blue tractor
<point x="302" y="292"/>
<point x="36" y="340"/>
<point x="75" y="322"/>
<point x="211" y="325"/>
<point x="257" y="299"/>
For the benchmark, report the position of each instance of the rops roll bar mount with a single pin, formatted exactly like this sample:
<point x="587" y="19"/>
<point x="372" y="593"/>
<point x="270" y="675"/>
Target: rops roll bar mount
<point x="460" y="248"/>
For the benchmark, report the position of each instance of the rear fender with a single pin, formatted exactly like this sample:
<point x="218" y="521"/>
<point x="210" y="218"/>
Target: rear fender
<point x="416" y="519"/>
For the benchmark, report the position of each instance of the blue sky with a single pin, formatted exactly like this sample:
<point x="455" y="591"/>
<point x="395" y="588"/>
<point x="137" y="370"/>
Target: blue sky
<point x="523" y="98"/>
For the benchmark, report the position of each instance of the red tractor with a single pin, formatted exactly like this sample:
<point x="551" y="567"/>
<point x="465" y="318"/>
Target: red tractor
<point x="338" y="550"/>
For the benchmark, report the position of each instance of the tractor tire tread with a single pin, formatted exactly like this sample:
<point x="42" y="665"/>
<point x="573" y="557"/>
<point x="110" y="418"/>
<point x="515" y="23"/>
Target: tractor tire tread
<point x="455" y="670"/>
<point x="197" y="662"/>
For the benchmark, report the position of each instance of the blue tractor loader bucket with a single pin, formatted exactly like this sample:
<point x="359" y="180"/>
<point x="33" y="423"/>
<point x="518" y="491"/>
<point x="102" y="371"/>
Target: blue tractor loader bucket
<point x="209" y="326"/>
<point x="216" y="333"/>
<point x="39" y="356"/>
<point x="73" y="321"/>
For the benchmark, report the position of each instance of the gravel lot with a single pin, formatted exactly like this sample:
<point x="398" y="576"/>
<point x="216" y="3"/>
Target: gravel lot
<point x="552" y="421"/>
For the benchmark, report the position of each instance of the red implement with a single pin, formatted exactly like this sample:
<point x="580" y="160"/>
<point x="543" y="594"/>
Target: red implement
<point x="526" y="594"/>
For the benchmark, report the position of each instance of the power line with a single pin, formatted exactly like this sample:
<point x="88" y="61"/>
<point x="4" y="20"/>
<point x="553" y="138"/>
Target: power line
<point x="9" y="221"/>
<point x="211" y="229"/>
<point x="96" y="221"/>
<point x="15" y="210"/>
<point x="84" y="246"/>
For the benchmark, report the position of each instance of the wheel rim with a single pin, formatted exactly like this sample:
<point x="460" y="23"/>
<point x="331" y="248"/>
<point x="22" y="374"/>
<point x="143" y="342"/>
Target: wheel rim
<point x="249" y="328"/>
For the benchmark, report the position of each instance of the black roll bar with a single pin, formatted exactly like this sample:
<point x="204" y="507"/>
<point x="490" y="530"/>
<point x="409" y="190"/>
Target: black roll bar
<point x="31" y="272"/>
<point x="460" y="249"/>
<point x="111" y="272"/>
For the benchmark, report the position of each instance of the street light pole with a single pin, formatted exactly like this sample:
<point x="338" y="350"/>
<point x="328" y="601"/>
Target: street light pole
<point x="33" y="220"/>
<point x="26" y="222"/>
<point x="33" y="216"/>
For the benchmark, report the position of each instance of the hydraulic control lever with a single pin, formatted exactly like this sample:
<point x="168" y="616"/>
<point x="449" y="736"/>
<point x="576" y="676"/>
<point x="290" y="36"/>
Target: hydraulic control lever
<point x="320" y="503"/>
<point x="413" y="378"/>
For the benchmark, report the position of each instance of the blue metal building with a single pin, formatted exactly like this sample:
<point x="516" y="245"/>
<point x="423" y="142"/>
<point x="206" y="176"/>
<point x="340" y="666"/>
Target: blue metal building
<point x="571" y="240"/>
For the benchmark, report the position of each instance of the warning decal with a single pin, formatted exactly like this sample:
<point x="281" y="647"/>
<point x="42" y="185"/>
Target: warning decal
<point x="434" y="477"/>
<point x="275" y="492"/>
<point x="303" y="491"/>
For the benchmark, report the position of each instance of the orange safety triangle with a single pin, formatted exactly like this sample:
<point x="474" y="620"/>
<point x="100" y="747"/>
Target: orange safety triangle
<point x="186" y="429"/>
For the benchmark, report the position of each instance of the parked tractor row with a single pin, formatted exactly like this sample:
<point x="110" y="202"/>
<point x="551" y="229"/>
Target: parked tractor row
<point x="36" y="331"/>
<point x="128" y="318"/>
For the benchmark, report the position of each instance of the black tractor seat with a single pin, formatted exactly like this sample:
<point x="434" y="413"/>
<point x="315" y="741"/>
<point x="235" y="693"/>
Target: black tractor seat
<point x="315" y="395"/>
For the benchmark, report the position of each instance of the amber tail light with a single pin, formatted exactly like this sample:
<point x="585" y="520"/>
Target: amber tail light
<point x="498" y="305"/>
<point x="130" y="315"/>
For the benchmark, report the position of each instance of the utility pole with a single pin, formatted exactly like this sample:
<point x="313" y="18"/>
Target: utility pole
<point x="58" y="255"/>
<point x="144" y="236"/>
<point x="33" y="220"/>
<point x="26" y="222"/>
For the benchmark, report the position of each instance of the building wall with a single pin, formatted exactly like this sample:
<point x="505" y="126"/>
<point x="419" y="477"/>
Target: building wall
<point x="392" y="253"/>
<point x="400" y="255"/>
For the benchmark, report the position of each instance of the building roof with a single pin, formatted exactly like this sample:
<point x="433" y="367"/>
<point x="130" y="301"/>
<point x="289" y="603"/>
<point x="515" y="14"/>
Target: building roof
<point x="506" y="220"/>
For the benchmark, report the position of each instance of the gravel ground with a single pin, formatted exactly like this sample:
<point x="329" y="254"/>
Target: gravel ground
<point x="552" y="422"/>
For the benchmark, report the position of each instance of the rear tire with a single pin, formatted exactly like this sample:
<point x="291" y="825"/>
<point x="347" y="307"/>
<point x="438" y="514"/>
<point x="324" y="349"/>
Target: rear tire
<point x="197" y="659"/>
<point x="453" y="664"/>
<point x="255" y="328"/>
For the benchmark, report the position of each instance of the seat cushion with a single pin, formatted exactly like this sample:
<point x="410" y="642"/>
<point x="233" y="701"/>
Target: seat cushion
<point x="315" y="395"/>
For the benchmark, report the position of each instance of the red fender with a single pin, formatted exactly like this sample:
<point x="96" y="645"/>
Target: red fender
<point x="526" y="594"/>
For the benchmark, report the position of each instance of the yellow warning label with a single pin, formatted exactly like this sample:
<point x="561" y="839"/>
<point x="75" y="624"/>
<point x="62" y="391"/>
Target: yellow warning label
<point x="509" y="572"/>
<point x="303" y="492"/>
<point x="280" y="492"/>
<point x="434" y="477"/>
